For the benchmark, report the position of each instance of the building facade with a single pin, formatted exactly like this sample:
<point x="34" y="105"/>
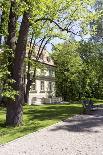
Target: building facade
<point x="43" y="89"/>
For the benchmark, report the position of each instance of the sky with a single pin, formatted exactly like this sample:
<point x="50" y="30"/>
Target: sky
<point x="57" y="41"/>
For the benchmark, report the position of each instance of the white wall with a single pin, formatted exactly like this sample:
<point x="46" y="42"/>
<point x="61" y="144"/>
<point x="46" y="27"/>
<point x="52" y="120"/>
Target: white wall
<point x="36" y="96"/>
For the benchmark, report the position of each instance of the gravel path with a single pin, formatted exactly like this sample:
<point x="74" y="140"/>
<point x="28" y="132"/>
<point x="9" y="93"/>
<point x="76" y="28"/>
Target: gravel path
<point x="79" y="135"/>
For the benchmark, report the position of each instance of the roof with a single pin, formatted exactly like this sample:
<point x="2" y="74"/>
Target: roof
<point x="44" y="58"/>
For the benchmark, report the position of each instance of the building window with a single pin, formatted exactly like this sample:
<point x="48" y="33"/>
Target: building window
<point x="31" y="74"/>
<point x="50" y="72"/>
<point x="33" y="87"/>
<point x="42" y="86"/>
<point x="41" y="56"/>
<point x="42" y="72"/>
<point x="50" y="86"/>
<point x="48" y="59"/>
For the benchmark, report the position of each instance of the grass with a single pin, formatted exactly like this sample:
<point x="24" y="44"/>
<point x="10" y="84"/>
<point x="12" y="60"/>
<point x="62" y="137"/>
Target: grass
<point x="35" y="118"/>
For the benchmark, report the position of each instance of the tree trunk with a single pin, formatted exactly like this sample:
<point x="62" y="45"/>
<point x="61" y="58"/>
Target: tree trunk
<point x="26" y="97"/>
<point x="0" y="39"/>
<point x="14" y="108"/>
<point x="28" y="85"/>
<point x="11" y="38"/>
<point x="14" y="114"/>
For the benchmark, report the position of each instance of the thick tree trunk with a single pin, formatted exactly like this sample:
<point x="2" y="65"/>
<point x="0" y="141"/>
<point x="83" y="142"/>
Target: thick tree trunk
<point x="14" y="109"/>
<point x="14" y="114"/>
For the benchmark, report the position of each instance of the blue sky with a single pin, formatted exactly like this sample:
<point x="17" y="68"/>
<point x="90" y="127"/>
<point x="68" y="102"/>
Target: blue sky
<point x="57" y="41"/>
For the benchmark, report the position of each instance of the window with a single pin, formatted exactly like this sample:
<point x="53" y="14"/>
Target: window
<point x="48" y="59"/>
<point x="31" y="74"/>
<point x="33" y="86"/>
<point x="41" y="56"/>
<point x="42" y="72"/>
<point x="50" y="86"/>
<point x="42" y="86"/>
<point x="50" y="72"/>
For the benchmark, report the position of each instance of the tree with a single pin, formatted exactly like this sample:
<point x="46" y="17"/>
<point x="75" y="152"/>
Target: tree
<point x="76" y="76"/>
<point x="68" y="70"/>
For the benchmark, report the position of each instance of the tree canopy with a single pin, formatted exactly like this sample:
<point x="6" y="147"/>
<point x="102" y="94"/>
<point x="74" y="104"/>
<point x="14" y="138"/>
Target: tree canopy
<point x="79" y="70"/>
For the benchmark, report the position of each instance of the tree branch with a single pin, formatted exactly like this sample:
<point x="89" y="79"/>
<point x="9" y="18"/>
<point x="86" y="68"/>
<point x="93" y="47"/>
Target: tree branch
<point x="60" y="27"/>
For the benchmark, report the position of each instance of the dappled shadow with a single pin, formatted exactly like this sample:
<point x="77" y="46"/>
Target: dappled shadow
<point x="52" y="112"/>
<point x="83" y="123"/>
<point x="3" y="124"/>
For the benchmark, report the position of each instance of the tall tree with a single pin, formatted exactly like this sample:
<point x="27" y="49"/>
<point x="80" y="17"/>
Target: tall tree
<point x="14" y="108"/>
<point x="68" y="70"/>
<point x="76" y="76"/>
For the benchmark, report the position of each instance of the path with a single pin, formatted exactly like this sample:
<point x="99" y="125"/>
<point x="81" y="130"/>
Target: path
<point x="80" y="135"/>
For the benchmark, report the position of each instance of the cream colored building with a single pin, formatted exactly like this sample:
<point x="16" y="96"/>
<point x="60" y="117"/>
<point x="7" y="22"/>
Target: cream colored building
<point x="43" y="90"/>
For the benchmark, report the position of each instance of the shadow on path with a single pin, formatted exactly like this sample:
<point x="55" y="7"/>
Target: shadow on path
<point x="83" y="123"/>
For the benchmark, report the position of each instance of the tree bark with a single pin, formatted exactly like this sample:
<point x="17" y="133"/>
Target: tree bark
<point x="0" y="39"/>
<point x="11" y="39"/>
<point x="14" y="108"/>
<point x="26" y="97"/>
<point x="14" y="114"/>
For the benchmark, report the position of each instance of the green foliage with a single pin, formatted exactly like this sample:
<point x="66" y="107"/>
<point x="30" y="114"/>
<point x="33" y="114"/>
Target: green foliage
<point x="92" y="75"/>
<point x="69" y="66"/>
<point x="4" y="17"/>
<point x="5" y="82"/>
<point x="46" y="13"/>
<point x="76" y="75"/>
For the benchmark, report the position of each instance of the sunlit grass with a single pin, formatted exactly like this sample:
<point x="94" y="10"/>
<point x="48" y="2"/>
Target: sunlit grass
<point x="35" y="118"/>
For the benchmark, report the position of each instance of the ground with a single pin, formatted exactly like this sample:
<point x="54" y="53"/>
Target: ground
<point x="79" y="135"/>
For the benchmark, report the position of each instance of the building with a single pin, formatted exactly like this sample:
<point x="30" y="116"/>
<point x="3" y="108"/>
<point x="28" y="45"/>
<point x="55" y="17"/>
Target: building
<point x="43" y="89"/>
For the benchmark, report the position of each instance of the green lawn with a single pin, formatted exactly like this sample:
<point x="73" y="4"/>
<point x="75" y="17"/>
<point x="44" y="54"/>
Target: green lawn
<point x="35" y="118"/>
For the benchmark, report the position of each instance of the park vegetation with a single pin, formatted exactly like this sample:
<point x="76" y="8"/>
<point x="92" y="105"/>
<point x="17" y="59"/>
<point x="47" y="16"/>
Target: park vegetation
<point x="79" y="72"/>
<point x="25" y="20"/>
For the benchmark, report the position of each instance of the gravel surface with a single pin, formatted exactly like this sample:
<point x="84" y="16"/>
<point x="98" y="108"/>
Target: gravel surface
<point x="79" y="135"/>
